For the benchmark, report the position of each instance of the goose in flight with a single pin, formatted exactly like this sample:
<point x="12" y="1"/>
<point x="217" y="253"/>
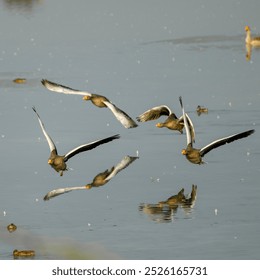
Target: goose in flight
<point x="99" y="180"/>
<point x="172" y="122"/>
<point x="196" y="155"/>
<point x="59" y="162"/>
<point x="98" y="100"/>
<point x="255" y="42"/>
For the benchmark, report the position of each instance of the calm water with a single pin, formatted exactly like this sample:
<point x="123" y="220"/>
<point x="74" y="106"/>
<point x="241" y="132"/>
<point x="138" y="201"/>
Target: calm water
<point x="139" y="56"/>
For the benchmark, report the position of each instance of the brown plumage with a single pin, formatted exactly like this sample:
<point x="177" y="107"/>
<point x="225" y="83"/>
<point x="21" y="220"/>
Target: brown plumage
<point x="99" y="180"/>
<point x="255" y="42"/>
<point x="24" y="253"/>
<point x="96" y="99"/>
<point x="58" y="162"/>
<point x="172" y="122"/>
<point x="196" y="155"/>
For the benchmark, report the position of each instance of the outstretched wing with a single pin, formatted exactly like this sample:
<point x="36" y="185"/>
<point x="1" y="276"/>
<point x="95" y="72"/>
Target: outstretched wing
<point x="224" y="141"/>
<point x="121" y="116"/>
<point x="186" y="125"/>
<point x="89" y="146"/>
<point x="125" y="162"/>
<point x="62" y="89"/>
<point x="154" y="113"/>
<point x="60" y="191"/>
<point x="48" y="138"/>
<point x="190" y="126"/>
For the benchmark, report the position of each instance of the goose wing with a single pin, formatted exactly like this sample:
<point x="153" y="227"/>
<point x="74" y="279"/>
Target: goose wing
<point x="60" y="191"/>
<point x="62" y="89"/>
<point x="154" y="113"/>
<point x="190" y="126"/>
<point x="225" y="140"/>
<point x="89" y="146"/>
<point x="121" y="116"/>
<point x="186" y="125"/>
<point x="125" y="162"/>
<point x="48" y="138"/>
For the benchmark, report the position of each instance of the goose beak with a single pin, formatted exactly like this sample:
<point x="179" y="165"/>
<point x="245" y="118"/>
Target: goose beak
<point x="50" y="161"/>
<point x="184" y="152"/>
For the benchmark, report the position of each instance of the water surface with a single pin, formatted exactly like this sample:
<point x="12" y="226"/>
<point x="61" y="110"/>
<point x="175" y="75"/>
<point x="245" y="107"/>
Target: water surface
<point x="139" y="56"/>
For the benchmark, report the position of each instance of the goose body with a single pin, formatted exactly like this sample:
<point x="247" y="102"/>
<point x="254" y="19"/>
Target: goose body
<point x="96" y="99"/>
<point x="201" y="110"/>
<point x="23" y="253"/>
<point x="12" y="227"/>
<point x="255" y="41"/>
<point x="58" y="162"/>
<point x="195" y="155"/>
<point x="172" y="122"/>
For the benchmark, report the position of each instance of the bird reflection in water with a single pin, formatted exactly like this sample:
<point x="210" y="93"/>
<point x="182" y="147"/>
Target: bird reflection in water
<point x="24" y="5"/>
<point x="249" y="50"/>
<point x="99" y="180"/>
<point x="250" y="42"/>
<point x="165" y="211"/>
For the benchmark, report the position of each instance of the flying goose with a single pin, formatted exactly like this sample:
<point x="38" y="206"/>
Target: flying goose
<point x="98" y="100"/>
<point x="172" y="122"/>
<point x="59" y="162"/>
<point x="196" y="155"/>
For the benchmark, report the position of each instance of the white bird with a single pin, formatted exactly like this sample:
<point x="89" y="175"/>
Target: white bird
<point x="98" y="100"/>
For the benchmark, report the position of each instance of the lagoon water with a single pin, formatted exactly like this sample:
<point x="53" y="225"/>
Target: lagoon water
<point x="139" y="55"/>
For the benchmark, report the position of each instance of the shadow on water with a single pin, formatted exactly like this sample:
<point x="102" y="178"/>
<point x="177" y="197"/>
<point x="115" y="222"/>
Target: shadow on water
<point x="21" y="5"/>
<point x="166" y="211"/>
<point x="99" y="180"/>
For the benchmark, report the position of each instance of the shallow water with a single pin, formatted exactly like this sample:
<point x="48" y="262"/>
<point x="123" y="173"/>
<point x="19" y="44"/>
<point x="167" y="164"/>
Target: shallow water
<point x="139" y="57"/>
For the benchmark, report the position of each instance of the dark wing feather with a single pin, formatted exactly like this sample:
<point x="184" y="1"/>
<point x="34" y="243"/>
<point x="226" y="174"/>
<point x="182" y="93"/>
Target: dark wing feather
<point x="89" y="146"/>
<point x="225" y="140"/>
